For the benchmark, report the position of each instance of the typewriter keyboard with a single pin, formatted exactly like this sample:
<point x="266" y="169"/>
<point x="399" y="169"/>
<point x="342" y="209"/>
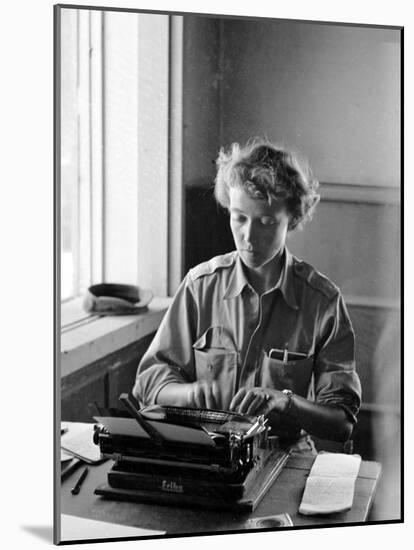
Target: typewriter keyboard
<point x="200" y="416"/>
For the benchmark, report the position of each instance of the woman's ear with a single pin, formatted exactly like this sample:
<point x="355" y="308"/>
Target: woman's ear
<point x="291" y="225"/>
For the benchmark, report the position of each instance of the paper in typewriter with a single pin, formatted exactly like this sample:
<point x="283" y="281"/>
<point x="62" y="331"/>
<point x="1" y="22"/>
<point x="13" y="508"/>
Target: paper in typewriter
<point x="331" y="483"/>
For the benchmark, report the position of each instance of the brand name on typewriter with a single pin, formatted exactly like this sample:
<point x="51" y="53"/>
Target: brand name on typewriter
<point x="171" y="486"/>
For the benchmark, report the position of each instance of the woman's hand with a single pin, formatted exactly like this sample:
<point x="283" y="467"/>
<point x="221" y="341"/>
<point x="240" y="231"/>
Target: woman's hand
<point x="199" y="394"/>
<point x="257" y="401"/>
<point x="204" y="395"/>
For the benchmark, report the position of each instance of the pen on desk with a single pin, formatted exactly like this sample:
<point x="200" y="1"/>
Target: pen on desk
<point x="81" y="479"/>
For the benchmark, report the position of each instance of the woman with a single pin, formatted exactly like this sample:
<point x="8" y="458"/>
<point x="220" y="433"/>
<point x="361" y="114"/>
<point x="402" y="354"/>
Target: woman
<point x="258" y="331"/>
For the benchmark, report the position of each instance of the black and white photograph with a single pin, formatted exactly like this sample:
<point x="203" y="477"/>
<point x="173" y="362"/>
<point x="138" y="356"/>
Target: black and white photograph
<point x="206" y="274"/>
<point x="228" y="220"/>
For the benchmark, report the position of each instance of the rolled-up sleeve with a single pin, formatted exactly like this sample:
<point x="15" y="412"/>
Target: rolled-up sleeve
<point x="169" y="358"/>
<point x="336" y="380"/>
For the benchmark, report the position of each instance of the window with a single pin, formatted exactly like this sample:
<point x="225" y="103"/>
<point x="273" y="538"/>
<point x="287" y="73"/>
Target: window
<point x="115" y="161"/>
<point x="81" y="142"/>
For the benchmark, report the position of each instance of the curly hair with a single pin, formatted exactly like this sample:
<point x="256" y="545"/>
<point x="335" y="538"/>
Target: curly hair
<point x="267" y="172"/>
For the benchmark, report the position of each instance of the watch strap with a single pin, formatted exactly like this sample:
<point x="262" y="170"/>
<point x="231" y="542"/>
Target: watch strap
<point x="289" y="395"/>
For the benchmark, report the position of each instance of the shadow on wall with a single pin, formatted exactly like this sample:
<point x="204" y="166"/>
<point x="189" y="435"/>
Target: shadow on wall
<point x="207" y="230"/>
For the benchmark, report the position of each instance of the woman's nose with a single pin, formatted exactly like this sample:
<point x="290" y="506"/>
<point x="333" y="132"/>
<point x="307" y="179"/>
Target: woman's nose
<point x="249" y="233"/>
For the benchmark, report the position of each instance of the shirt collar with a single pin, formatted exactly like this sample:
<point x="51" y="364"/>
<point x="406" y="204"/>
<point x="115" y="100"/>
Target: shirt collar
<point x="238" y="281"/>
<point x="286" y="283"/>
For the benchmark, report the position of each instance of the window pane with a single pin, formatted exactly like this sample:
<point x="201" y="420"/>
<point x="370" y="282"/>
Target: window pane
<point x="69" y="155"/>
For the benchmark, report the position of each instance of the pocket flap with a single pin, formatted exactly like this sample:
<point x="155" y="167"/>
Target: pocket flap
<point x="216" y="337"/>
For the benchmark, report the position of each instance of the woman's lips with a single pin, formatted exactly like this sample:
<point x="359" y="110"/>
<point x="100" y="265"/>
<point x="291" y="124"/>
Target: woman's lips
<point x="251" y="251"/>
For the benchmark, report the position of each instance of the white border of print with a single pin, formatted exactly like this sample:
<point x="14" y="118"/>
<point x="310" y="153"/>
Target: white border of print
<point x="26" y="99"/>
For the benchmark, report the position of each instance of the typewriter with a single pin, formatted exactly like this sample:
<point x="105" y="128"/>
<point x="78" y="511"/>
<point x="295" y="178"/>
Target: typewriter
<point x="183" y="456"/>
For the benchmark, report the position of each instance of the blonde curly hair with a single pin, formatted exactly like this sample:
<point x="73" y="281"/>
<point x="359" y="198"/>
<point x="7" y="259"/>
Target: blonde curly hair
<point x="267" y="171"/>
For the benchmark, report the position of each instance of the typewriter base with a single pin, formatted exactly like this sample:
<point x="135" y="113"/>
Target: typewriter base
<point x="252" y="495"/>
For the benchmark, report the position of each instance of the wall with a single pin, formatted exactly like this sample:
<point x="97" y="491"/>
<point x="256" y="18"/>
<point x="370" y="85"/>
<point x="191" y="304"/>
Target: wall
<point x="332" y="92"/>
<point x="201" y="107"/>
<point x="356" y="245"/>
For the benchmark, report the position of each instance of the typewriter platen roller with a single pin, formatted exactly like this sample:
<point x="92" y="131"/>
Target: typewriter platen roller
<point x="197" y="457"/>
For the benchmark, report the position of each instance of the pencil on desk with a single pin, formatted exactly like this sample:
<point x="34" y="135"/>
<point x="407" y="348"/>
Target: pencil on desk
<point x="70" y="468"/>
<point x="81" y="479"/>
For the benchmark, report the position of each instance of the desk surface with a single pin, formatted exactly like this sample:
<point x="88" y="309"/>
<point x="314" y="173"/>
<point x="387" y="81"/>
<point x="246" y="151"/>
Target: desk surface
<point x="283" y="497"/>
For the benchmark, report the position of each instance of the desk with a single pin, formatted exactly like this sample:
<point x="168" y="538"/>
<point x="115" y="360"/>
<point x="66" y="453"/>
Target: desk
<point x="283" y="497"/>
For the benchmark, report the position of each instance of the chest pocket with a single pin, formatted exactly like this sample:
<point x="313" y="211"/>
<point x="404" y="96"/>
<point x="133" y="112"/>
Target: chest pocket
<point x="293" y="375"/>
<point x="215" y="359"/>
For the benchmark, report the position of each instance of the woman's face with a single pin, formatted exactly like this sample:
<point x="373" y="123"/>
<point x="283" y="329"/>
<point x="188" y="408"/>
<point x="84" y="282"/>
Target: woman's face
<point x="259" y="228"/>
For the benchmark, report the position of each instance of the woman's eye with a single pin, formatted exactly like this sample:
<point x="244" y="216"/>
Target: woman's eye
<point x="269" y="221"/>
<point x="237" y="219"/>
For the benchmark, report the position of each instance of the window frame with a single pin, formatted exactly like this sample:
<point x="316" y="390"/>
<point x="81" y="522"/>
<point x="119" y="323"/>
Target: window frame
<point x="124" y="229"/>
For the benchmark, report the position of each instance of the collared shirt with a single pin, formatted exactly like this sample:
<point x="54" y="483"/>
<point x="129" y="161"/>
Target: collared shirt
<point x="219" y="328"/>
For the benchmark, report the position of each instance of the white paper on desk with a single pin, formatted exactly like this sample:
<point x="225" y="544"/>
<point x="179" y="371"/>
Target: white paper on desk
<point x="171" y="432"/>
<point x="80" y="443"/>
<point x="64" y="456"/>
<point x="330" y="486"/>
<point x="75" y="528"/>
<point x="336" y="465"/>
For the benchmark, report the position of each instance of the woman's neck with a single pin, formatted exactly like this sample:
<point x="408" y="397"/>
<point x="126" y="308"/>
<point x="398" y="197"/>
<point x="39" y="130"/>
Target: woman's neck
<point x="266" y="277"/>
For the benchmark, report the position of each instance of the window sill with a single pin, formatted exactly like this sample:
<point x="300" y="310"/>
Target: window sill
<point x="88" y="338"/>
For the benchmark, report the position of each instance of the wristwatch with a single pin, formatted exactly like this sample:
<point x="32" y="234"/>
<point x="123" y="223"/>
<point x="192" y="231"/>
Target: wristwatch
<point x="289" y="395"/>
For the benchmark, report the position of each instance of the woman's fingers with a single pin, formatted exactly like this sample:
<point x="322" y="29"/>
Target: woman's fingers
<point x="250" y="401"/>
<point x="256" y="405"/>
<point x="206" y="395"/>
<point x="253" y="401"/>
<point x="237" y="399"/>
<point x="215" y="390"/>
<point x="209" y="397"/>
<point x="199" y="400"/>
